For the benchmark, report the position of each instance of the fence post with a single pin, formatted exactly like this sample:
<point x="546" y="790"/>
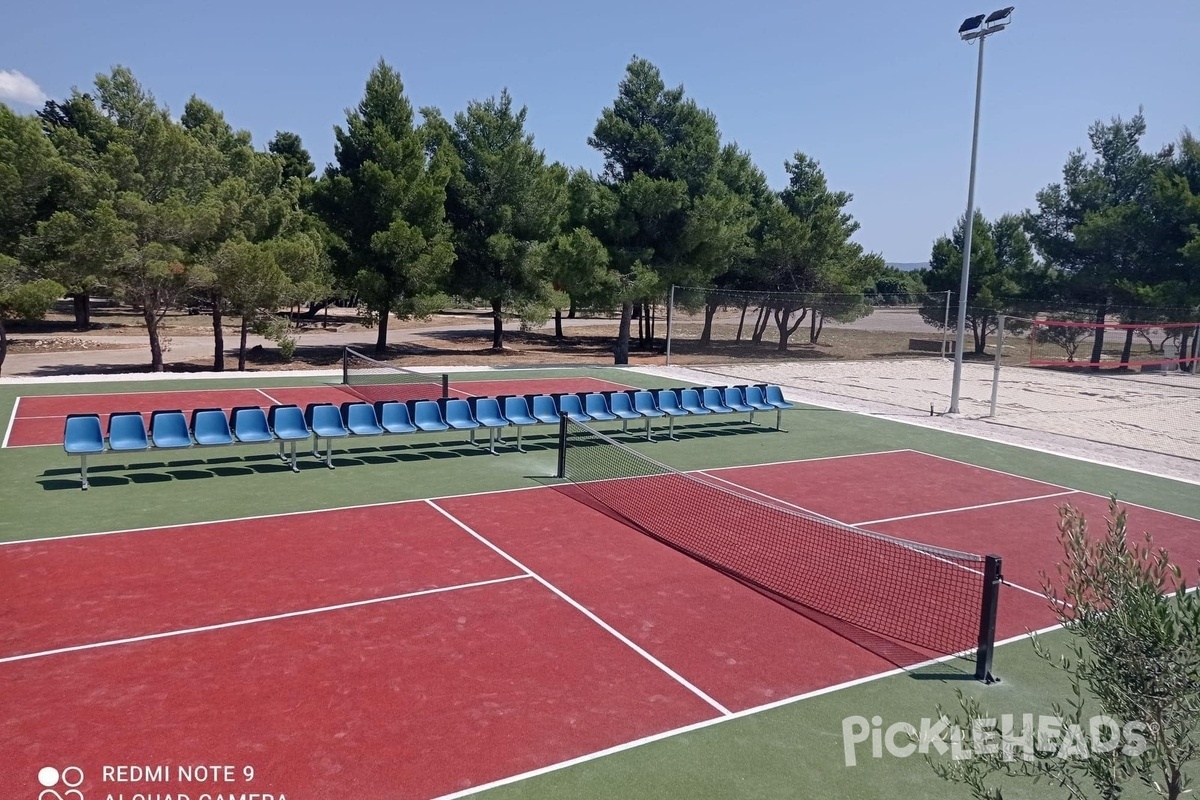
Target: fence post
<point x="996" y="366"/>
<point x="946" y="324"/>
<point x="670" y="320"/>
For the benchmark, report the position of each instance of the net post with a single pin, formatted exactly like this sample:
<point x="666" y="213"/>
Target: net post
<point x="561" y="472"/>
<point x="445" y="385"/>
<point x="345" y="366"/>
<point x="992" y="578"/>
<point x="670" y="321"/>
<point x="996" y="366"/>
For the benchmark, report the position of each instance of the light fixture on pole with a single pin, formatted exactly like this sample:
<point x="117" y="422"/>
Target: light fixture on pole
<point x="976" y="28"/>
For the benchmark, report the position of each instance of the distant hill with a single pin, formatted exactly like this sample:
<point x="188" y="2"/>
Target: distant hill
<point x="908" y="266"/>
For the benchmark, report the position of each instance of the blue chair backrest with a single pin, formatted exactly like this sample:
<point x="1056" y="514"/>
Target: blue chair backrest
<point x="288" y="422"/>
<point x="169" y="429"/>
<point x="516" y="411"/>
<point x="393" y="414"/>
<point x="360" y="418"/>
<point x="570" y="404"/>
<point x="713" y="400"/>
<point x="458" y="414"/>
<point x="544" y="408"/>
<point x="667" y="399"/>
<point x="734" y="397"/>
<point x="754" y="396"/>
<point x="325" y="419"/>
<point x="644" y="402"/>
<point x="426" y="413"/>
<point x="775" y="396"/>
<point x="127" y="431"/>
<point x="594" y="403"/>
<point x="249" y="424"/>
<point x="620" y="402"/>
<point x="689" y="399"/>
<point x="487" y="411"/>
<point x="83" y="434"/>
<point x="210" y="426"/>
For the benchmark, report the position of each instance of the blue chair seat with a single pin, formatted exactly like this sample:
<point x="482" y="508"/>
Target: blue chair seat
<point x="458" y="415"/>
<point x="83" y="434"/>
<point x="360" y="419"/>
<point x="487" y="413"/>
<point x="516" y="411"/>
<point x="428" y="417"/>
<point x="596" y="407"/>
<point x="774" y="396"/>
<point x="287" y="422"/>
<point x="714" y="402"/>
<point x="393" y="417"/>
<point x="622" y="406"/>
<point x="668" y="403"/>
<point x="689" y="401"/>
<point x="210" y="427"/>
<point x="544" y="409"/>
<point x="643" y="403"/>
<point x="169" y="430"/>
<point x="249" y="425"/>
<point x="325" y="420"/>
<point x="570" y="405"/>
<point x="733" y="398"/>
<point x="127" y="432"/>
<point x="756" y="400"/>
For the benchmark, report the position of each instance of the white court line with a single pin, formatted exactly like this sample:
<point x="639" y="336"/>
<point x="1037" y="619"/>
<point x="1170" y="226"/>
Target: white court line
<point x="255" y="620"/>
<point x="708" y="723"/>
<point x="356" y="506"/>
<point x="272" y="399"/>
<point x="707" y="470"/>
<point x="12" y="419"/>
<point x="770" y="497"/>
<point x="965" y="508"/>
<point x="1077" y="491"/>
<point x="682" y="681"/>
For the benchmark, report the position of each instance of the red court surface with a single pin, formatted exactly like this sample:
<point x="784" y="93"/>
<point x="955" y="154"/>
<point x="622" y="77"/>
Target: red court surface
<point x="39" y="419"/>
<point x="421" y="648"/>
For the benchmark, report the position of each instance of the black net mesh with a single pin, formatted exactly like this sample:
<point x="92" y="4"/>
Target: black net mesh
<point x="373" y="380"/>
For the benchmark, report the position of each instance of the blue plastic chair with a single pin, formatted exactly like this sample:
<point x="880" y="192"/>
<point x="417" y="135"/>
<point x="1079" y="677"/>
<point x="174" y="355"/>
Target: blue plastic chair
<point x="621" y="406"/>
<point x="428" y="417"/>
<point x="360" y="419"/>
<point x="487" y="413"/>
<point x="249" y="425"/>
<point x="714" y="402"/>
<point x="169" y="430"/>
<point x="689" y="401"/>
<point x="735" y="400"/>
<point x="570" y="405"/>
<point x="325" y="421"/>
<point x="83" y="436"/>
<point x="774" y="396"/>
<point x="643" y="403"/>
<point x="545" y="410"/>
<point x="668" y="403"/>
<point x="516" y="411"/>
<point x="288" y="425"/>
<point x="393" y="417"/>
<point x="459" y="417"/>
<point x="127" y="432"/>
<point x="756" y="400"/>
<point x="210" y="427"/>
<point x="596" y="407"/>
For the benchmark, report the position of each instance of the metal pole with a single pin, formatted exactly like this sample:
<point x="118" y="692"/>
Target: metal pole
<point x="561" y="471"/>
<point x="946" y="324"/>
<point x="968" y="226"/>
<point x="992" y="580"/>
<point x="670" y="320"/>
<point x="996" y="368"/>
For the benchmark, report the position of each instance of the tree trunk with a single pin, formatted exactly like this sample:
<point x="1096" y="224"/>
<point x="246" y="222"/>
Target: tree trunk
<point x="242" y="345"/>
<point x="710" y="311"/>
<point x="156" y="354"/>
<point x="1195" y="351"/>
<point x="571" y="311"/>
<point x="1098" y="342"/>
<point x="760" y="324"/>
<point x="83" y="311"/>
<point x="782" y="317"/>
<point x="558" y="334"/>
<point x="979" y="334"/>
<point x="381" y="338"/>
<point x="497" y="324"/>
<point x="742" y="321"/>
<point x="317" y="308"/>
<point x="1184" y="338"/>
<point x="218" y="338"/>
<point x="3" y="344"/>
<point x="621" y="351"/>
<point x="650" y="313"/>
<point x="1127" y="350"/>
<point x="641" y="325"/>
<point x="816" y="325"/>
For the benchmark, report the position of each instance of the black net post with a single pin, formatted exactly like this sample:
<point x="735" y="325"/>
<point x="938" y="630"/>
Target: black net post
<point x="992" y="579"/>
<point x="345" y="366"/>
<point x="562" y="446"/>
<point x="445" y="385"/>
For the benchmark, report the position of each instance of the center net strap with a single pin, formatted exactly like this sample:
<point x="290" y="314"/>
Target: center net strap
<point x="905" y="591"/>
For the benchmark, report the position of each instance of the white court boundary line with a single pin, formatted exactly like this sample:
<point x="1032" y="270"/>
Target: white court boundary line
<point x="256" y="620"/>
<point x="357" y="506"/>
<point x="708" y="723"/>
<point x="264" y="394"/>
<point x="12" y="418"/>
<point x="967" y="508"/>
<point x="682" y="681"/>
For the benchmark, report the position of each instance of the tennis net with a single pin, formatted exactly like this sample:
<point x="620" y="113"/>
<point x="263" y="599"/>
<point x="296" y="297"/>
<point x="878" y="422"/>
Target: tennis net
<point x="374" y="380"/>
<point x="892" y="590"/>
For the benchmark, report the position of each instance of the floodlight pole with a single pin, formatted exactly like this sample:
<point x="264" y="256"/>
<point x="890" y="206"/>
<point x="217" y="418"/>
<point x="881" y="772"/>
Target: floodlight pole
<point x="968" y="228"/>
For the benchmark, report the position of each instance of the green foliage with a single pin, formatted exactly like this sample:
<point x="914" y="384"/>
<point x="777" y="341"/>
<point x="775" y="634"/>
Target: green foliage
<point x="295" y="161"/>
<point x="1134" y="658"/>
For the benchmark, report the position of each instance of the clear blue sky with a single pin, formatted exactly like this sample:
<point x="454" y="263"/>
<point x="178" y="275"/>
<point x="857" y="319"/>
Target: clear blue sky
<point x="883" y="101"/>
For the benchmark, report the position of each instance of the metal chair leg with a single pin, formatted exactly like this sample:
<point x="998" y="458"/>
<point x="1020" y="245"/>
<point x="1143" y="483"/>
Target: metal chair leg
<point x="329" y="452"/>
<point x="492" y="441"/>
<point x="295" y="466"/>
<point x="83" y="472"/>
<point x="519" y="448"/>
<point x="283" y="457"/>
<point x="649" y="433"/>
<point x="671" y="429"/>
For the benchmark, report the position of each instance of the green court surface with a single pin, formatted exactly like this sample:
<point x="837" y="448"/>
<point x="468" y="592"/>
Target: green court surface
<point x="786" y="747"/>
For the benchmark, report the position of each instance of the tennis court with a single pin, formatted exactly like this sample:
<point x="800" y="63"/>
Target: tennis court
<point x="470" y="624"/>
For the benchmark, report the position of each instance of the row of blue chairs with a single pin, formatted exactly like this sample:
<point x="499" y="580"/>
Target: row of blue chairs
<point x="289" y="425"/>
